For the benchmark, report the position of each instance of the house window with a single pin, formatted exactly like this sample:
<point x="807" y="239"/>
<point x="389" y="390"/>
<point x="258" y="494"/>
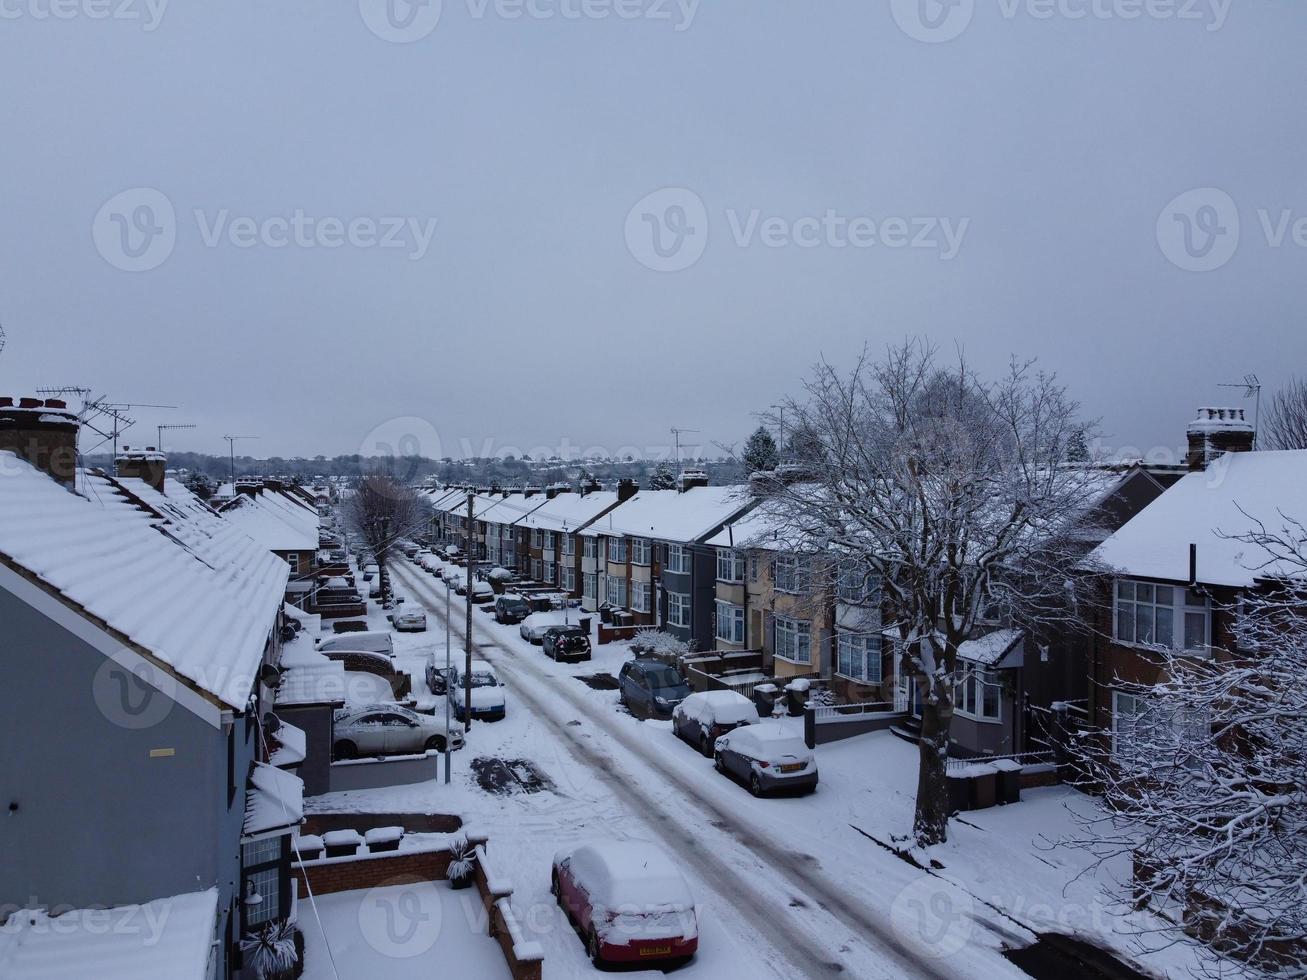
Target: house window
<point x="730" y="565"/>
<point x="590" y="585"/>
<point x="569" y="545"/>
<point x="791" y="574"/>
<point x="616" y="591"/>
<point x="640" y="592"/>
<point x="1162" y="616"/>
<point x="753" y="568"/>
<point x="639" y="551"/>
<point x="730" y="623"/>
<point x="978" y="694"/>
<point x="293" y="560"/>
<point x="536" y="537"/>
<point x="1141" y="732"/>
<point x="793" y="640"/>
<point x="856" y="585"/>
<point x="569" y="578"/>
<point x="678" y="559"/>
<point x="858" y="657"/>
<point x="549" y="573"/>
<point x="678" y="609"/>
<point x="538" y="570"/>
<point x="261" y="874"/>
<point x="617" y="549"/>
<point x="589" y="547"/>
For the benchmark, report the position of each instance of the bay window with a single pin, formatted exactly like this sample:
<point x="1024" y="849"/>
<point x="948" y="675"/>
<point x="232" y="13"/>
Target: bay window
<point x="1169" y="616"/>
<point x="640" y="592"/>
<point x="978" y="694"/>
<point x="616" y="591"/>
<point x="678" y="609"/>
<point x="678" y="559"/>
<point x="858" y="657"/>
<point x="730" y="565"/>
<point x="617" y="549"/>
<point x="791" y="574"/>
<point x="639" y="551"/>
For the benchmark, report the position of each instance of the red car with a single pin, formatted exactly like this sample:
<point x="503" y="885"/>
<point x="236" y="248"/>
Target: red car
<point x="628" y="902"/>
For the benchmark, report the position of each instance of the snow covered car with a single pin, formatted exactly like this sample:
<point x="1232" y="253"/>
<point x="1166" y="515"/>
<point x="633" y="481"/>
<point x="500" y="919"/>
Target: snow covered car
<point x="766" y="758"/>
<point x="705" y="716"/>
<point x="569" y="644"/>
<point x="389" y="729"/>
<point x="488" y="701"/>
<point x="628" y="901"/>
<point x="370" y="571"/>
<point x="371" y="641"/>
<point x="534" y="626"/>
<point x="410" y="620"/>
<point x="481" y="592"/>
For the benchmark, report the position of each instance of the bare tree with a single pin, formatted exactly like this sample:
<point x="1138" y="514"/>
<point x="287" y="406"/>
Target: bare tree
<point x="383" y="511"/>
<point x="1285" y="425"/>
<point x="1205" y="788"/>
<point x="949" y="489"/>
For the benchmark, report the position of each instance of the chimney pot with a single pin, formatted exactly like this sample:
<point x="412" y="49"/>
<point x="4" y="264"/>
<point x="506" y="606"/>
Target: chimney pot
<point x="30" y="403"/>
<point x="47" y="440"/>
<point x="1215" y="432"/>
<point x="55" y="403"/>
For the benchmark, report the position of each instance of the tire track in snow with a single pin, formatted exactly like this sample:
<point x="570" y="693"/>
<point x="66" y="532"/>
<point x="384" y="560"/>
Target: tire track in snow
<point x="815" y="961"/>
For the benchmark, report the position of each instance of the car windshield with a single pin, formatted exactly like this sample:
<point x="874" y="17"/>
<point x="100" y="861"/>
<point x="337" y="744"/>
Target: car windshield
<point x="516" y="605"/>
<point x="662" y="677"/>
<point x="481" y="678"/>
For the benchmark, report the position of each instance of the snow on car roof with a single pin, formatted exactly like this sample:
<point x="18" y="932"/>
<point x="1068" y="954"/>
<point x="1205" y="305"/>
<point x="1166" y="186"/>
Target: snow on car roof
<point x="1207" y="509"/>
<point x="672" y="515"/>
<point x="175" y="590"/>
<point x="631" y="874"/>
<point x="768" y="738"/>
<point x="726" y="706"/>
<point x="82" y="942"/>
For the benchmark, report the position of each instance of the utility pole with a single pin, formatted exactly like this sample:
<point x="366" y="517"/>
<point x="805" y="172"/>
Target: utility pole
<point x="231" y="450"/>
<point x="467" y="635"/>
<point x="448" y="693"/>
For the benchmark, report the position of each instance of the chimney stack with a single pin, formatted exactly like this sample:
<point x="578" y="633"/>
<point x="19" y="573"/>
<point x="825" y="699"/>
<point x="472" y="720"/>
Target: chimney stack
<point x="146" y="464"/>
<point x="44" y="433"/>
<point x="626" y="489"/>
<point x="1215" y="432"/>
<point x="690" y="479"/>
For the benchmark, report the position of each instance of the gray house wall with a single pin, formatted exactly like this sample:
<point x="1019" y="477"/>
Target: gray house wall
<point x="93" y="818"/>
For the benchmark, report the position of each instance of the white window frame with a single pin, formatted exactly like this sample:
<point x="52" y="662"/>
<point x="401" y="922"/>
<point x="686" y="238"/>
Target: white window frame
<point x="589" y="547"/>
<point x="1145" y="713"/>
<point x="1137" y="603"/>
<point x="569" y="578"/>
<point x="569" y="545"/>
<point x="969" y="689"/>
<point x="615" y="591"/>
<point x="617" y="551"/>
<point x="293" y="560"/>
<point x="792" y="640"/>
<point x="640" y="596"/>
<point x="551" y="574"/>
<point x="590" y="585"/>
<point x="678" y="559"/>
<point x="730" y="565"/>
<point x="729" y="622"/>
<point x="855" y="585"/>
<point x="861" y="652"/>
<point x="640" y="551"/>
<point x="790" y="575"/>
<point x="536" y="538"/>
<point x="678" y="609"/>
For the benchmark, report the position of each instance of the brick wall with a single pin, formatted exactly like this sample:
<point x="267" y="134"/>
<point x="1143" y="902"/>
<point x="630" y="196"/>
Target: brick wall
<point x="346" y="874"/>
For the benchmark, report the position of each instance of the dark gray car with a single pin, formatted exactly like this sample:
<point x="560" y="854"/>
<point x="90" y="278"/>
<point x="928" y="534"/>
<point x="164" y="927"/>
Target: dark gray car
<point x="650" y="687"/>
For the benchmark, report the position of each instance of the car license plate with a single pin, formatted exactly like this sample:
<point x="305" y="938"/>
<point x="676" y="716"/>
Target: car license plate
<point x="655" y="950"/>
<point x="792" y="767"/>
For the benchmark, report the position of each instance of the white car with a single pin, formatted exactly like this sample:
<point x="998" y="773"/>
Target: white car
<point x="390" y="729"/>
<point x="412" y="620"/>
<point x="488" y="701"/>
<point x="705" y="716"/>
<point x="370" y="571"/>
<point x="534" y="626"/>
<point x="766" y="758"/>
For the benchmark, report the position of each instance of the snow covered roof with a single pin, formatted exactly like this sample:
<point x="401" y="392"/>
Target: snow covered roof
<point x="275" y="800"/>
<point x="172" y="939"/>
<point x="274" y="521"/>
<point x="291" y="746"/>
<point x="1209" y="509"/>
<point x="166" y="586"/>
<point x="672" y="515"/>
<point x="992" y="649"/>
<point x="762" y="527"/>
<point x="320" y="681"/>
<point x="569" y="511"/>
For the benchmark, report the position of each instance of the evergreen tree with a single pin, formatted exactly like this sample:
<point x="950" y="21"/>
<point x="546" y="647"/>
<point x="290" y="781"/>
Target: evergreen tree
<point x="760" y="452"/>
<point x="663" y="477"/>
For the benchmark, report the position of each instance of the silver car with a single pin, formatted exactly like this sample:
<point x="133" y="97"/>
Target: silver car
<point x="409" y="620"/>
<point x="389" y="729"/>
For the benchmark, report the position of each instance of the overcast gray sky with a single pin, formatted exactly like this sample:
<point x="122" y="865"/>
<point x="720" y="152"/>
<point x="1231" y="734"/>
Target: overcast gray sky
<point x="1007" y="174"/>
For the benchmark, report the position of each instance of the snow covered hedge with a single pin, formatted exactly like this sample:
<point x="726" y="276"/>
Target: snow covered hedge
<point x="656" y="643"/>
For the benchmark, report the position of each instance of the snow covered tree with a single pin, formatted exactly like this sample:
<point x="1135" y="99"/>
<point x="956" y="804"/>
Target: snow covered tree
<point x="948" y="489"/>
<point x="760" y="452"/>
<point x="663" y="477"/>
<point x="383" y="511"/>
<point x="1207" y="794"/>
<point x="199" y="484"/>
<point x="1285" y="426"/>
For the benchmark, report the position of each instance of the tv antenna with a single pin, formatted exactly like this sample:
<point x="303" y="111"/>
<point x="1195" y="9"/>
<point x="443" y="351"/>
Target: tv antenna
<point x="231" y="451"/>
<point x="1252" y="388"/>
<point x="676" y="433"/>
<point x="159" y="429"/>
